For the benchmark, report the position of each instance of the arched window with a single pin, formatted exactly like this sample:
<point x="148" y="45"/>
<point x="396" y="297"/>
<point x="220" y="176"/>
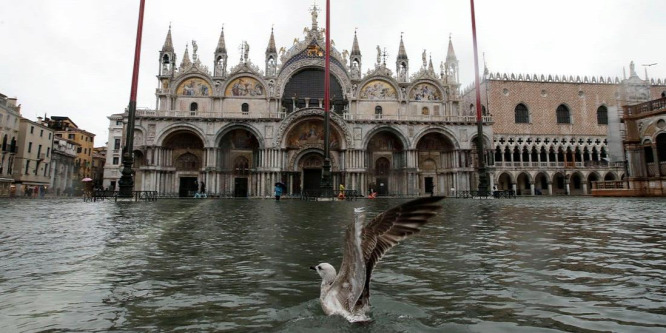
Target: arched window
<point x="241" y="166"/>
<point x="563" y="116"/>
<point x="498" y="154"/>
<point x="661" y="147"/>
<point x="483" y="110"/>
<point x="194" y="107"/>
<point x="245" y="108"/>
<point x="4" y="143"/>
<point x="382" y="166"/>
<point x="522" y="115"/>
<point x="187" y="161"/>
<point x="602" y="115"/>
<point x="378" y="112"/>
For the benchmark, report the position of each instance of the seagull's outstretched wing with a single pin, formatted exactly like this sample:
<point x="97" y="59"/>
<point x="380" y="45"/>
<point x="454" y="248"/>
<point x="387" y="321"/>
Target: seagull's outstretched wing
<point x="349" y="282"/>
<point x="389" y="228"/>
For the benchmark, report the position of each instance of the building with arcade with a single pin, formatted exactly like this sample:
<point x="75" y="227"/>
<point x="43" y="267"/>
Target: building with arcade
<point x="236" y="129"/>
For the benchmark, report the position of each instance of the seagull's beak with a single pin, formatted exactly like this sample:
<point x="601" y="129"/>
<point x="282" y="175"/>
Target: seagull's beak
<point x="313" y="268"/>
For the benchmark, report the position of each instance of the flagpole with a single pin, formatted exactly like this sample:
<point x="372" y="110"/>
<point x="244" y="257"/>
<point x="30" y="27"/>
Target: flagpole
<point x="483" y="175"/>
<point x="126" y="181"/>
<point x="326" y="184"/>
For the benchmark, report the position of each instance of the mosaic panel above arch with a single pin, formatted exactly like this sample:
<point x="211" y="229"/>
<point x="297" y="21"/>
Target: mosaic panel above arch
<point x="425" y="92"/>
<point x="378" y="89"/>
<point x="194" y="87"/>
<point x="244" y="86"/>
<point x="241" y="139"/>
<point x="385" y="141"/>
<point x="310" y="133"/>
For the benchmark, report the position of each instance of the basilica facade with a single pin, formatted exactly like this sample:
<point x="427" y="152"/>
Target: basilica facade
<point x="238" y="129"/>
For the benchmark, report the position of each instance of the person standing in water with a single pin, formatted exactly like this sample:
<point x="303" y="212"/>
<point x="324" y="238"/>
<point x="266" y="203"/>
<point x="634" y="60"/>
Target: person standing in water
<point x="278" y="192"/>
<point x="341" y="195"/>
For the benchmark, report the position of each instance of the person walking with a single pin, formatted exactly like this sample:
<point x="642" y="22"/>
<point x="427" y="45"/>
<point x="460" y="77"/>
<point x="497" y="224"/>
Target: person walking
<point x="278" y="192"/>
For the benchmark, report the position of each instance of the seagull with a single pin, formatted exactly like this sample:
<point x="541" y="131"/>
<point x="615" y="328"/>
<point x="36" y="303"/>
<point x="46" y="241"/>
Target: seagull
<point x="347" y="293"/>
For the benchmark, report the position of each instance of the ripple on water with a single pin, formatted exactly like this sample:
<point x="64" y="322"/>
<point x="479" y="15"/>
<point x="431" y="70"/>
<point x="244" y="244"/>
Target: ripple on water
<point x="524" y="265"/>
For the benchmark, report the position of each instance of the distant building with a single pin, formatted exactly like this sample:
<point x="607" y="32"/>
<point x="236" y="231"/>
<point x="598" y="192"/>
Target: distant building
<point x="99" y="159"/>
<point x="10" y="114"/>
<point x="64" y="173"/>
<point x="31" y="170"/>
<point x="557" y="134"/>
<point x="66" y="128"/>
<point x="645" y="144"/>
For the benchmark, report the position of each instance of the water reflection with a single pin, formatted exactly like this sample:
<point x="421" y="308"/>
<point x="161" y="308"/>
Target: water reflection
<point x="530" y="265"/>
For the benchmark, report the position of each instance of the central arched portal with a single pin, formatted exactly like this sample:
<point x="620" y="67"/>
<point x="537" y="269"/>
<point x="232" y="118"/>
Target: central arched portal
<point x="311" y="165"/>
<point x="238" y="158"/>
<point x="304" y="145"/>
<point x="386" y="154"/>
<point x="186" y="152"/>
<point x="437" y="159"/>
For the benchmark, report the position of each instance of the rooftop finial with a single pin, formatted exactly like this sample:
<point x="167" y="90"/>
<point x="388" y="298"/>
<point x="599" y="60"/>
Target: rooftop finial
<point x="314" y="12"/>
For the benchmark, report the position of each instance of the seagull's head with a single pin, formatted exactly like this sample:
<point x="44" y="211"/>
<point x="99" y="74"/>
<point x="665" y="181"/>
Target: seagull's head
<point x="326" y="271"/>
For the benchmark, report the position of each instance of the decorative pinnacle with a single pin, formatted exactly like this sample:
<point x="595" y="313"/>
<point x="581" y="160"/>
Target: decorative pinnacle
<point x="313" y="11"/>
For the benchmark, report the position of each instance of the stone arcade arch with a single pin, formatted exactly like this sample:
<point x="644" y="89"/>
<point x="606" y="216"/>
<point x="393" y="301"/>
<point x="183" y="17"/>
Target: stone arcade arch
<point x="504" y="182"/>
<point x="437" y="158"/>
<point x="183" y="154"/>
<point x="541" y="184"/>
<point x="236" y="162"/>
<point x="591" y="178"/>
<point x="577" y="184"/>
<point x="303" y="145"/>
<point x="386" y="158"/>
<point x="661" y="153"/>
<point x="559" y="183"/>
<point x="610" y="176"/>
<point x="523" y="184"/>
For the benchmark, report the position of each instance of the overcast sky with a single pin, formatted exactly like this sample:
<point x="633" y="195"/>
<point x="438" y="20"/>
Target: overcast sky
<point x="74" y="57"/>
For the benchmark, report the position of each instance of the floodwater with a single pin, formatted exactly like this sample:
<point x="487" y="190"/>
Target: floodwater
<point x="561" y="264"/>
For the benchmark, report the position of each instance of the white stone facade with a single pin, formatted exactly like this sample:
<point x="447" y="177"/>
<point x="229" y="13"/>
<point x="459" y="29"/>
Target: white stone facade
<point x="10" y="116"/>
<point x="237" y="132"/>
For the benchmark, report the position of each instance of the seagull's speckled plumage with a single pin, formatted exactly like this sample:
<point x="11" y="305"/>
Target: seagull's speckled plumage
<point x="347" y="293"/>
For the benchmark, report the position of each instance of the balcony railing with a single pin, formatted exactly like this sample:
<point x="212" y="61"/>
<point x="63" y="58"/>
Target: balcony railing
<point x="196" y="114"/>
<point x="654" y="105"/>
<point x="559" y="165"/>
<point x="608" y="185"/>
<point x="384" y="117"/>
<point x="282" y="115"/>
